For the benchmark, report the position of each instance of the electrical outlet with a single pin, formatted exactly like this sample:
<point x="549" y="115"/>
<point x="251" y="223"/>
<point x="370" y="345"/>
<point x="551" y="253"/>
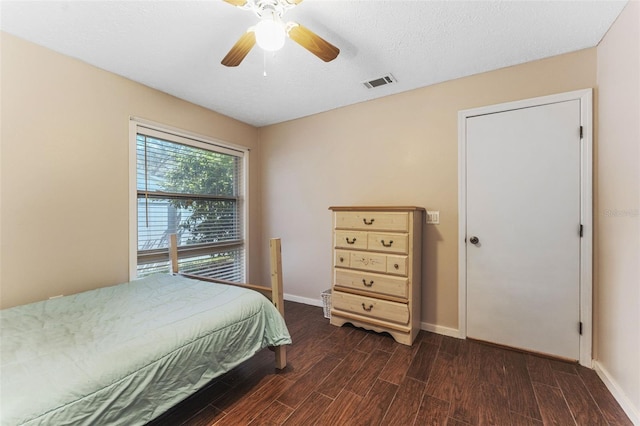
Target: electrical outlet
<point x="433" y="217"/>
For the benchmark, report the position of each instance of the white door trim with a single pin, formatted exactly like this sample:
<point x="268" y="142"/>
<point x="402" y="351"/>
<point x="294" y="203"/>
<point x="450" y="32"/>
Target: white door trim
<point x="586" y="208"/>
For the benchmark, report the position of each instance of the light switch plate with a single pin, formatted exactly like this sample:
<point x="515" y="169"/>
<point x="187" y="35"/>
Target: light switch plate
<point x="433" y="217"/>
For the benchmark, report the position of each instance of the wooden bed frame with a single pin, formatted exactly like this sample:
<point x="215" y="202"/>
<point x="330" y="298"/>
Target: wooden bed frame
<point x="274" y="293"/>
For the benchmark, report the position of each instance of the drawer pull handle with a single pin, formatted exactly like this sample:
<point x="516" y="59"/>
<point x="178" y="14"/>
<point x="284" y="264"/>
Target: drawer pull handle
<point x="367" y="309"/>
<point x="368" y="222"/>
<point x="367" y="284"/>
<point x="385" y="244"/>
<point x="395" y="265"/>
<point x="350" y="242"/>
<point x="341" y="259"/>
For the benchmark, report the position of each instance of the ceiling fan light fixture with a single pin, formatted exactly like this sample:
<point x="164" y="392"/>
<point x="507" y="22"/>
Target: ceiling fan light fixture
<point x="270" y="33"/>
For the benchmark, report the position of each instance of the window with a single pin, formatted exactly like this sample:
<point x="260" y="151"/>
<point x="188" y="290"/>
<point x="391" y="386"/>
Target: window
<point x="194" y="189"/>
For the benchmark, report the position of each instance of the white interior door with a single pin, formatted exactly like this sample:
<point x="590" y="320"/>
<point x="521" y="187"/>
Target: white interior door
<point x="523" y="206"/>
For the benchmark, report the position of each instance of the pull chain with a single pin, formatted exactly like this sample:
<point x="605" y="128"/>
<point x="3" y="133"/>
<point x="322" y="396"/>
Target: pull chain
<point x="264" y="63"/>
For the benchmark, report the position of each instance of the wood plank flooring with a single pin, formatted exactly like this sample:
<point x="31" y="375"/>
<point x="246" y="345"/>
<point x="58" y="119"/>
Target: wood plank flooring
<point x="348" y="376"/>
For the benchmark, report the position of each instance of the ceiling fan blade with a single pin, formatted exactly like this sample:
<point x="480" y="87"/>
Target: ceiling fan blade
<point x="312" y="42"/>
<point x="239" y="50"/>
<point x="238" y="3"/>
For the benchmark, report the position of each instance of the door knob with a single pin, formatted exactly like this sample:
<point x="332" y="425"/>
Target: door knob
<point x="474" y="240"/>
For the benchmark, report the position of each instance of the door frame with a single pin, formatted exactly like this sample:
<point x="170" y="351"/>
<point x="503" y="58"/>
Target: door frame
<point x="585" y="97"/>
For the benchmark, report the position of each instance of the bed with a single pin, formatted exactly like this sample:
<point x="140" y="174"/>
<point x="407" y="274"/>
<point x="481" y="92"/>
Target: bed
<point x="127" y="353"/>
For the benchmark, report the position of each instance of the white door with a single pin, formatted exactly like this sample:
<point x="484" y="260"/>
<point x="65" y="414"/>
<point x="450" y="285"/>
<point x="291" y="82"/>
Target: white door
<point x="523" y="207"/>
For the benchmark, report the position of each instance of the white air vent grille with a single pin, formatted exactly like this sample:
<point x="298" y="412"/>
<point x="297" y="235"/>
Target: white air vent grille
<point x="380" y="81"/>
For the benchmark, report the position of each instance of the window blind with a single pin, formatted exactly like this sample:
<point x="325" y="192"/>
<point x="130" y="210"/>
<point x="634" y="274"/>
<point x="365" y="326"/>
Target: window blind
<point x="196" y="193"/>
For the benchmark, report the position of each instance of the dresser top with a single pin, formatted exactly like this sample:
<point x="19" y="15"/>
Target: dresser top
<point x="376" y="208"/>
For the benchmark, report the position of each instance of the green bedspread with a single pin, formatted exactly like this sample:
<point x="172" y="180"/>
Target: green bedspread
<point x="127" y="353"/>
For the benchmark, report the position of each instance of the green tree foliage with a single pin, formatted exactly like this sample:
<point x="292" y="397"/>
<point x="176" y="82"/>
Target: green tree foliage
<point x="211" y="174"/>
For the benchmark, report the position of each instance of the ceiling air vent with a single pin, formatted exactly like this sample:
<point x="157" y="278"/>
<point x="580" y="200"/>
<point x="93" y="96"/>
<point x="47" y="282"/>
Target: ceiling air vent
<point x="380" y="81"/>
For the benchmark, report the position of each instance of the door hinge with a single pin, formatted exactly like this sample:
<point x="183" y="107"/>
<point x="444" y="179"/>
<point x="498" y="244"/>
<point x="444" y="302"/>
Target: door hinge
<point x="581" y="132"/>
<point x="580" y="327"/>
<point x="581" y="230"/>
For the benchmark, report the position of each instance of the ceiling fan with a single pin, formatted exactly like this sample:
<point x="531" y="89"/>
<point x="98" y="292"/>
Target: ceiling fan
<point x="270" y="32"/>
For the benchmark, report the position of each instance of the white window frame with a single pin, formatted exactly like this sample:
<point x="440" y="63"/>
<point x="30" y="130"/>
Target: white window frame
<point x="137" y="125"/>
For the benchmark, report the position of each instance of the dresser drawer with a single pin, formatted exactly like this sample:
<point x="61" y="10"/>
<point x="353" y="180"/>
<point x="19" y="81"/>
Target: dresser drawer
<point x="397" y="265"/>
<point x="368" y="261"/>
<point x="390" y="243"/>
<point x="378" y="262"/>
<point x="356" y="240"/>
<point x="342" y="258"/>
<point x="374" y="283"/>
<point x="371" y="307"/>
<point x="373" y="221"/>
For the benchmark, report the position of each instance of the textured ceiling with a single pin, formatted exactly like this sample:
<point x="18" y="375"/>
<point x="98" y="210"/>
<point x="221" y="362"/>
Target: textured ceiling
<point x="177" y="46"/>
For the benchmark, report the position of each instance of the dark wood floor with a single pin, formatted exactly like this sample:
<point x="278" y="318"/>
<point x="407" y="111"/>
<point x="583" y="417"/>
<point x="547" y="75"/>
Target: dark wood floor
<point x="348" y="376"/>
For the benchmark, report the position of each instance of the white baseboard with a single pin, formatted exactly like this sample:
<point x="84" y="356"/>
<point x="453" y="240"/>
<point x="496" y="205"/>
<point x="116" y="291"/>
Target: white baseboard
<point x="618" y="394"/>
<point x="439" y="329"/>
<point x="304" y="300"/>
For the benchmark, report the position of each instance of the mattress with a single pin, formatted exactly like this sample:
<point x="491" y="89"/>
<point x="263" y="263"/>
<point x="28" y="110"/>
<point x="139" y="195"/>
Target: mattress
<point x="127" y="353"/>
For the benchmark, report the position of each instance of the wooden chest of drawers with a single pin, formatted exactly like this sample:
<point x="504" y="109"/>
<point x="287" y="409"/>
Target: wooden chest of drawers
<point x="377" y="269"/>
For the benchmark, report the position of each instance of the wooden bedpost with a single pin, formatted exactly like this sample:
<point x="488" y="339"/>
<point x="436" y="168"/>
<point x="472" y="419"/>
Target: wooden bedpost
<point x="277" y="293"/>
<point x="173" y="253"/>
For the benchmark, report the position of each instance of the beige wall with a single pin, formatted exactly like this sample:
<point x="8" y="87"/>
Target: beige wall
<point x="618" y="212"/>
<point x="401" y="150"/>
<point x="65" y="169"/>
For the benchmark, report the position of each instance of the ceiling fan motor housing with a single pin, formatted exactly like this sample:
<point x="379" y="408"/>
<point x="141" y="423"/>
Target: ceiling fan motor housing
<point x="264" y="8"/>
